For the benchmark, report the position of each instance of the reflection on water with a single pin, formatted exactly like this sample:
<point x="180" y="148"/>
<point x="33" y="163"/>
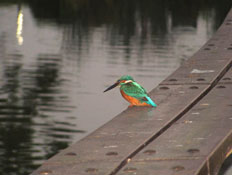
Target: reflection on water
<point x="56" y="58"/>
<point x="19" y="27"/>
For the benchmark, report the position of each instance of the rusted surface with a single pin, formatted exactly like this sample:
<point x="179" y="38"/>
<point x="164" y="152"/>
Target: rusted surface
<point x="203" y="136"/>
<point x="111" y="144"/>
<point x="178" y="167"/>
<point x="185" y="134"/>
<point x="227" y="79"/>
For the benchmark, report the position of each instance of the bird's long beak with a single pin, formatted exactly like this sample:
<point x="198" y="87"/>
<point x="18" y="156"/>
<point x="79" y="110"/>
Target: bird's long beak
<point x="111" y="87"/>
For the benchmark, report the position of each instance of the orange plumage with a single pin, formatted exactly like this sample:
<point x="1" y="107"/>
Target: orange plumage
<point x="133" y="101"/>
<point x="133" y="92"/>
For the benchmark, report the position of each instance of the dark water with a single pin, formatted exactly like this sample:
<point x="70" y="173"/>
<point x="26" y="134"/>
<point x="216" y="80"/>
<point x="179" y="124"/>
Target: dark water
<point x="57" y="56"/>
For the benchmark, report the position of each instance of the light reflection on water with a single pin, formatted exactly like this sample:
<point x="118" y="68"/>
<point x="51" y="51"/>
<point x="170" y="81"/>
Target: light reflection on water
<point x="51" y="83"/>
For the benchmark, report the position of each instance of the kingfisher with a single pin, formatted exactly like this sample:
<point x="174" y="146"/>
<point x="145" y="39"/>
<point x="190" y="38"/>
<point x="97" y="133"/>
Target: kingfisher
<point x="133" y="92"/>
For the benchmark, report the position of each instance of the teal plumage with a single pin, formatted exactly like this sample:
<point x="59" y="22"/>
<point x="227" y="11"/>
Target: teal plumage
<point x="133" y="92"/>
<point x="150" y="102"/>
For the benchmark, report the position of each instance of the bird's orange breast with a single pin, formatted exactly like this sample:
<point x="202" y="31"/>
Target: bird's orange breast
<point x="132" y="100"/>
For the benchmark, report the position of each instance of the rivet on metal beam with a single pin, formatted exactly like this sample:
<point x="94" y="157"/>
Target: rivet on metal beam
<point x="221" y="87"/>
<point x="172" y="79"/>
<point x="193" y="87"/>
<point x="200" y="79"/>
<point x="193" y="150"/>
<point x="70" y="154"/>
<point x="226" y="78"/>
<point x="164" y="88"/>
<point x="149" y="152"/>
<point x="112" y="154"/>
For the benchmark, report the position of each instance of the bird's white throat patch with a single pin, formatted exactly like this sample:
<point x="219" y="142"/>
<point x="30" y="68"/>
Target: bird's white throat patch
<point x="128" y="81"/>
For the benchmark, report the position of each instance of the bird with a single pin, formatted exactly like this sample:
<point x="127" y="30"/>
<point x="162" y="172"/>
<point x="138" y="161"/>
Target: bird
<point x="133" y="92"/>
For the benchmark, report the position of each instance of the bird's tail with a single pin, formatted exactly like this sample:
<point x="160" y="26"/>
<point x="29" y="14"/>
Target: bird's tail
<point x="150" y="102"/>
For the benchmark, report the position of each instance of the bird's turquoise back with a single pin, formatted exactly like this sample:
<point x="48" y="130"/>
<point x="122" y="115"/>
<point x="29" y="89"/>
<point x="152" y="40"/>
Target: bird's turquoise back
<point x="135" y="90"/>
